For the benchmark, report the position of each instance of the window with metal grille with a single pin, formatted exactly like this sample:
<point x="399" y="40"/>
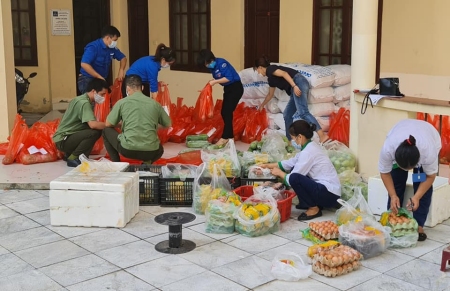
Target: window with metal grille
<point x="190" y="31"/>
<point x="24" y="32"/>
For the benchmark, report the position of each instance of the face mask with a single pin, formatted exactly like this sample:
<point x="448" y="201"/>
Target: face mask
<point x="295" y="145"/>
<point x="99" y="99"/>
<point x="165" y="66"/>
<point x="211" y="65"/>
<point x="112" y="44"/>
<point x="128" y="94"/>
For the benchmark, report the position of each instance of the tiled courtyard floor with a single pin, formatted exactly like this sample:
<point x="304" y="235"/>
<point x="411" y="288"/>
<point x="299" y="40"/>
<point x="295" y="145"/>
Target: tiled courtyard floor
<point x="36" y="256"/>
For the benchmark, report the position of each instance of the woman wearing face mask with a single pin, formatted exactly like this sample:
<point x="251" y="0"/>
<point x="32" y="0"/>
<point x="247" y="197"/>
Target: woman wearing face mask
<point x="148" y="68"/>
<point x="310" y="173"/>
<point x="296" y="86"/>
<point x="225" y="75"/>
<point x="411" y="144"/>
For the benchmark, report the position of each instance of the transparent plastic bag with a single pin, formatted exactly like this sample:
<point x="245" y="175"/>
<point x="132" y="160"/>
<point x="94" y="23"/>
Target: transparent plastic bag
<point x="180" y="171"/>
<point x="274" y="145"/>
<point x="206" y="185"/>
<point x="219" y="213"/>
<point x="366" y="235"/>
<point x="349" y="180"/>
<point x="256" y="172"/>
<point x="290" y="267"/>
<point x="341" y="156"/>
<point x="272" y="106"/>
<point x="249" y="159"/>
<point x="354" y="207"/>
<point x="101" y="165"/>
<point x="257" y="216"/>
<point x="276" y="190"/>
<point x="405" y="241"/>
<point x="226" y="158"/>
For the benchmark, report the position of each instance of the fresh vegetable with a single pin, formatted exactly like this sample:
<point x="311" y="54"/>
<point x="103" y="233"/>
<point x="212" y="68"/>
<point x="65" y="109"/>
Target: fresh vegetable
<point x="197" y="137"/>
<point x="220" y="210"/>
<point x="197" y="143"/>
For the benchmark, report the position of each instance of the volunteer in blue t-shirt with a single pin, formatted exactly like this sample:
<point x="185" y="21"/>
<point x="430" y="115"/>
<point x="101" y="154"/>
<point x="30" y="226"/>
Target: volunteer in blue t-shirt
<point x="97" y="58"/>
<point x="148" y="68"/>
<point x="225" y="75"/>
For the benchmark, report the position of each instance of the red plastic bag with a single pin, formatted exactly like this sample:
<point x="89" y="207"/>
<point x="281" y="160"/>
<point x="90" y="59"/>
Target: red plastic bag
<point x="239" y="121"/>
<point x="18" y="136"/>
<point x="116" y="92"/>
<point x="40" y="136"/>
<point x="163" y="97"/>
<point x="204" y="108"/>
<point x="256" y="123"/>
<point x="3" y="148"/>
<point x="340" y="126"/>
<point x="189" y="158"/>
<point x="444" y="155"/>
<point x="101" y="111"/>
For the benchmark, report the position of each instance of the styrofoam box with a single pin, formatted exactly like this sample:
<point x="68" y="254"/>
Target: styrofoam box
<point x="439" y="210"/>
<point x="94" y="199"/>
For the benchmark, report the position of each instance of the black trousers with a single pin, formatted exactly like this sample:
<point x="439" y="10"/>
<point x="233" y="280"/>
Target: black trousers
<point x="113" y="147"/>
<point x="231" y="95"/>
<point x="81" y="142"/>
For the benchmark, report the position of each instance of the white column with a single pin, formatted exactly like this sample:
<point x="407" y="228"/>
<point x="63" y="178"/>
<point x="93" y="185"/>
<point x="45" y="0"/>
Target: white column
<point x="8" y="106"/>
<point x="364" y="49"/>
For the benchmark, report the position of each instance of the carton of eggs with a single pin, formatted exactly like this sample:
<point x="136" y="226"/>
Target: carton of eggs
<point x="336" y="261"/>
<point x="325" y="229"/>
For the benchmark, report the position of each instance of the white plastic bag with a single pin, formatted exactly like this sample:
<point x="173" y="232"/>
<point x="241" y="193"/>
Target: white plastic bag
<point x="256" y="172"/>
<point x="354" y="207"/>
<point x="180" y="171"/>
<point x="272" y="106"/>
<point x="406" y="241"/>
<point x="290" y="267"/>
<point x="276" y="190"/>
<point x="341" y="156"/>
<point x="226" y="158"/>
<point x="274" y="144"/>
<point x="101" y="165"/>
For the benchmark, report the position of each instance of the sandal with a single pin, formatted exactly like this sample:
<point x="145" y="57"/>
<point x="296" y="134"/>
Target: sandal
<point x="303" y="216"/>
<point x="422" y="236"/>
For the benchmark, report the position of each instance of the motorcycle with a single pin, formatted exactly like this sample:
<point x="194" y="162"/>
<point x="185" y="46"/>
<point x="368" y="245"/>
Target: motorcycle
<point x="22" y="85"/>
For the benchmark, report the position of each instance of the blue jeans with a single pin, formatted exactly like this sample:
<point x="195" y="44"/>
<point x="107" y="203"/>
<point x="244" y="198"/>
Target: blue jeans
<point x="82" y="83"/>
<point x="297" y="107"/>
<point x="400" y="177"/>
<point x="310" y="193"/>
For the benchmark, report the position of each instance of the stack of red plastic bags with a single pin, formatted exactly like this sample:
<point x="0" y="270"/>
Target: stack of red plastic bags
<point x="340" y="126"/>
<point x="444" y="129"/>
<point x="31" y="145"/>
<point x="205" y="118"/>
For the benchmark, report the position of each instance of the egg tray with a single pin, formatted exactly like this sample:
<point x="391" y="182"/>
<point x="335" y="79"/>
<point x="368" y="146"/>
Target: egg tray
<point x="323" y="229"/>
<point x="315" y="249"/>
<point x="317" y="236"/>
<point x="327" y="271"/>
<point x="339" y="256"/>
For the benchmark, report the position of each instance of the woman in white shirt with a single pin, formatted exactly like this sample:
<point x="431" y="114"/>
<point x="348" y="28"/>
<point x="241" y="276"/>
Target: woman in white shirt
<point x="411" y="144"/>
<point x="312" y="175"/>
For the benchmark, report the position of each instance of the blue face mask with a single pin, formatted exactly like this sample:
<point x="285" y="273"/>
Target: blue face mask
<point x="295" y="145"/>
<point x="211" y="65"/>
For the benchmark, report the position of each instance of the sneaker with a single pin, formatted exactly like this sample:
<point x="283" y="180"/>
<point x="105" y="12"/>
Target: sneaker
<point x="73" y="163"/>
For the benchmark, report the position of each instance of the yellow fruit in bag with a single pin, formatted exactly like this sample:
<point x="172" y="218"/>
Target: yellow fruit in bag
<point x="251" y="213"/>
<point x="262" y="208"/>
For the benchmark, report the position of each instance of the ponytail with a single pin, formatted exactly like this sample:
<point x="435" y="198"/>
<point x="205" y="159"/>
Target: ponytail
<point x="164" y="52"/>
<point x="407" y="154"/>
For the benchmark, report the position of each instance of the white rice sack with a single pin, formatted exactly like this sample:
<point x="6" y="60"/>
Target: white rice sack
<point x="343" y="74"/>
<point x="321" y="109"/>
<point x="251" y="102"/>
<point x="272" y="106"/>
<point x="345" y="104"/>
<point x="342" y="93"/>
<point x="324" y="122"/>
<point x="282" y="104"/>
<point x="279" y="120"/>
<point x="317" y="76"/>
<point x="272" y="125"/>
<point x="255" y="86"/>
<point x="320" y="95"/>
<point x="281" y="95"/>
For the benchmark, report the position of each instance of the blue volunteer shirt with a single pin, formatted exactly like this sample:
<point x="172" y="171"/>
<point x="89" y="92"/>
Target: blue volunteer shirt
<point x="146" y="68"/>
<point x="99" y="56"/>
<point x="224" y="69"/>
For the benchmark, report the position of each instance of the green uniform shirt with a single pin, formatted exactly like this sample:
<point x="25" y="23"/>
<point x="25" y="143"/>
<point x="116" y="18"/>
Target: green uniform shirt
<point x="75" y="118"/>
<point x="140" y="117"/>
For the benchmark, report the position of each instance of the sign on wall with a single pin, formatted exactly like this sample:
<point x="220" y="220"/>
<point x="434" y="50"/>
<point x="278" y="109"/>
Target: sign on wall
<point x="61" y="22"/>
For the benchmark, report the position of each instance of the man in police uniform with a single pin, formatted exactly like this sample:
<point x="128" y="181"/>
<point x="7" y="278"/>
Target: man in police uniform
<point x="79" y="130"/>
<point x="97" y="58"/>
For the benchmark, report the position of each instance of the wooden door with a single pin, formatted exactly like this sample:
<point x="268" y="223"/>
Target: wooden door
<point x="138" y="29"/>
<point x="262" y="30"/>
<point x="89" y="18"/>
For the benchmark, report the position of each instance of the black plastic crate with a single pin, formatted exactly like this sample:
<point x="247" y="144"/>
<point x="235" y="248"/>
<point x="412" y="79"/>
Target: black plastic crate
<point x="148" y="186"/>
<point x="174" y="192"/>
<point x="235" y="182"/>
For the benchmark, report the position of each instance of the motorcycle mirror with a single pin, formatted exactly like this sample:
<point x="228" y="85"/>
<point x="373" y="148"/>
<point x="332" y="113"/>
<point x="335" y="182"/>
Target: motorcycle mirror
<point x="32" y="75"/>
